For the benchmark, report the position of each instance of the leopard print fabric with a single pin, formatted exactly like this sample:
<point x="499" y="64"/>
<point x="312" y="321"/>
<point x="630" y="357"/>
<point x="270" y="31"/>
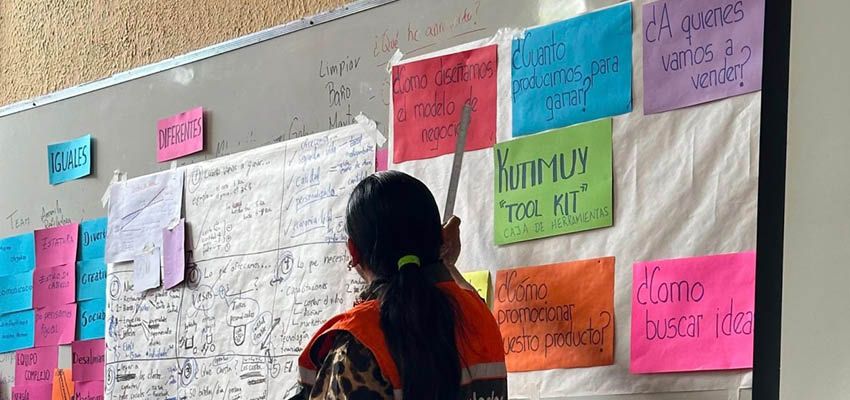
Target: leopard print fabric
<point x="348" y="372"/>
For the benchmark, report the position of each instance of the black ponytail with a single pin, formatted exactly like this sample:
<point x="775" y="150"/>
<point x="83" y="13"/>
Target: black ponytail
<point x="391" y="216"/>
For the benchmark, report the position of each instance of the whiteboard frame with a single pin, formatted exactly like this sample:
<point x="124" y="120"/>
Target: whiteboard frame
<point x="197" y="55"/>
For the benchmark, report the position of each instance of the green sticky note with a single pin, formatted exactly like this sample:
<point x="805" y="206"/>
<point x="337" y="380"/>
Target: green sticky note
<point x="480" y="280"/>
<point x="553" y="183"/>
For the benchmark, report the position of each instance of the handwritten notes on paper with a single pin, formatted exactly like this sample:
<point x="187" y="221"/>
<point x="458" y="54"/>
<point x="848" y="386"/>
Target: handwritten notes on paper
<point x="69" y="160"/>
<point x="249" y="301"/>
<point x="146" y="270"/>
<point x="88" y="359"/>
<point x="693" y="314"/>
<point x="91" y="319"/>
<point x="557" y="316"/>
<point x="480" y="280"/>
<point x="92" y="238"/>
<point x="16" y="330"/>
<point x="35" y="366"/>
<point x="91" y="279"/>
<point x="695" y="51"/>
<point x="55" y="325"/>
<point x="17" y="254"/>
<point x="138" y="211"/>
<point x="429" y="95"/>
<point x="174" y="254"/>
<point x="180" y="135"/>
<point x="56" y="246"/>
<point x="553" y="183"/>
<point x="15" y="292"/>
<point x="53" y="286"/>
<point x="572" y="71"/>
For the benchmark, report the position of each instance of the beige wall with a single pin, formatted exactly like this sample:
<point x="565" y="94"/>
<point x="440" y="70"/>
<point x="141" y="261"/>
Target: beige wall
<point x="48" y="45"/>
<point x="815" y="361"/>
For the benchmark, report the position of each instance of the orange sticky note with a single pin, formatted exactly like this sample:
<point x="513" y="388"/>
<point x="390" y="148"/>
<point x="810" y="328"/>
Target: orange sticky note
<point x="558" y="315"/>
<point x="63" y="386"/>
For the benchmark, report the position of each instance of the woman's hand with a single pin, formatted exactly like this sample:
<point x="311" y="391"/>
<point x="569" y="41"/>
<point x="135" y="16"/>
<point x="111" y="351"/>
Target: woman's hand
<point x="451" y="241"/>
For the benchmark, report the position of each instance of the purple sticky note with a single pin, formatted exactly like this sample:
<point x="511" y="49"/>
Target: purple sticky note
<point x="91" y="390"/>
<point x="34" y="392"/>
<point x="56" y="246"/>
<point x="381" y="160"/>
<point x="180" y="135"/>
<point x="35" y="366"/>
<point x="173" y="254"/>
<point x="55" y="325"/>
<point x="695" y="51"/>
<point x="88" y="360"/>
<point x="52" y="286"/>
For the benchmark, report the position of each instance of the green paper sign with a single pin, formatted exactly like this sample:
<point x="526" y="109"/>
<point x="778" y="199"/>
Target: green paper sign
<point x="553" y="183"/>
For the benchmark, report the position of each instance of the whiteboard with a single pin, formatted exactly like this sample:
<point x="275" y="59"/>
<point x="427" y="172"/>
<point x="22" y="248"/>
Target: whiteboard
<point x="275" y="90"/>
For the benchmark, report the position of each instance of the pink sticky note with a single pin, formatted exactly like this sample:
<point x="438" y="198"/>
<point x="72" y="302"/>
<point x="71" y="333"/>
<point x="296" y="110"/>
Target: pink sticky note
<point x="35" y="366"/>
<point x="381" y="160"/>
<point x="87" y="360"/>
<point x="56" y="246"/>
<point x="52" y="286"/>
<point x="693" y="314"/>
<point x="180" y="135"/>
<point x="90" y="390"/>
<point x="55" y="325"/>
<point x="694" y="53"/>
<point x="33" y="392"/>
<point x="173" y="254"/>
<point x="428" y="99"/>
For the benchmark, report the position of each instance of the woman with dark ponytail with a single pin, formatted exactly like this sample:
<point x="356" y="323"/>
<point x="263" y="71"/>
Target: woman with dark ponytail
<point x="420" y="330"/>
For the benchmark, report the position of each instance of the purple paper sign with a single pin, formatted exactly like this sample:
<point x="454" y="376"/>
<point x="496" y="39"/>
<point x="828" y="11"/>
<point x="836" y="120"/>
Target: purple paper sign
<point x="696" y="51"/>
<point x="173" y="254"/>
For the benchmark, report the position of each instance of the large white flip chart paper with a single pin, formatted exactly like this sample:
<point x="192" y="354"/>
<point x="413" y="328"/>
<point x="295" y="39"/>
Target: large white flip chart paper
<point x="269" y="267"/>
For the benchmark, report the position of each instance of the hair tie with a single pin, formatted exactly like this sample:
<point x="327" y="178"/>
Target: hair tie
<point x="408" y="259"/>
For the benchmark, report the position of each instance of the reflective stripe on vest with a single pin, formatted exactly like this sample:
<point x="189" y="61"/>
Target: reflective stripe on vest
<point x="483" y="356"/>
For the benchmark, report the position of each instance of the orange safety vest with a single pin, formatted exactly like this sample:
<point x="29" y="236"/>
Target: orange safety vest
<point x="482" y="356"/>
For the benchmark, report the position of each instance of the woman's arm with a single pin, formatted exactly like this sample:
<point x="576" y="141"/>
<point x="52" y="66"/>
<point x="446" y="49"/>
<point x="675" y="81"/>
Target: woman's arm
<point x="451" y="251"/>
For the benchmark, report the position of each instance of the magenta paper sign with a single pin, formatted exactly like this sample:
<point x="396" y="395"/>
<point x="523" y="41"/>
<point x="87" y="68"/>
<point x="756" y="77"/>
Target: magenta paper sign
<point x="56" y="246"/>
<point x="87" y="360"/>
<point x="52" y="286"/>
<point x="173" y="254"/>
<point x="33" y="392"/>
<point x="695" y="51"/>
<point x="180" y="135"/>
<point x="35" y="366"/>
<point x="693" y="314"/>
<point x="381" y="160"/>
<point x="55" y="325"/>
<point x="91" y="390"/>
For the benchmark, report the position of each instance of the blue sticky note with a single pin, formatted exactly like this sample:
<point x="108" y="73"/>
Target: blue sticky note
<point x="17" y="254"/>
<point x="572" y="71"/>
<point x="91" y="318"/>
<point x="91" y="279"/>
<point x="15" y="292"/>
<point x="17" y="331"/>
<point x="92" y="238"/>
<point x="69" y="160"/>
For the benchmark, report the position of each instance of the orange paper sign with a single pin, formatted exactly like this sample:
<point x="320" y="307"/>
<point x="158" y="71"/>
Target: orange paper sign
<point x="558" y="315"/>
<point x="63" y="386"/>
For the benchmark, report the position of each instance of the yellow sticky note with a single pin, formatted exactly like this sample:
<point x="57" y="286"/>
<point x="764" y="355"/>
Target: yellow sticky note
<point x="480" y="280"/>
<point x="63" y="386"/>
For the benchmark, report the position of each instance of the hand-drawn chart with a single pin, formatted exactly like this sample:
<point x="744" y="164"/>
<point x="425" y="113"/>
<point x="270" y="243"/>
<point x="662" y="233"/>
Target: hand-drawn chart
<point x="267" y="267"/>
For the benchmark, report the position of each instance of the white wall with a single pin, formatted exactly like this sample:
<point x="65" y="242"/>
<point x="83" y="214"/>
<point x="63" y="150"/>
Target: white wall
<point x="815" y="359"/>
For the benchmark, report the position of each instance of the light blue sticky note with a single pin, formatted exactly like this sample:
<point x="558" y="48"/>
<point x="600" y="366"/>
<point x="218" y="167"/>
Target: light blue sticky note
<point x="69" y="160"/>
<point x="15" y="292"/>
<point x="91" y="317"/>
<point x="17" y="331"/>
<point x="91" y="279"/>
<point x="572" y="71"/>
<point x="92" y="238"/>
<point x="17" y="254"/>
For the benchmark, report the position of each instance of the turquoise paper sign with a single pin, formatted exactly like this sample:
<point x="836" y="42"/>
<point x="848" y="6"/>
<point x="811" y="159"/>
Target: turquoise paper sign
<point x="69" y="160"/>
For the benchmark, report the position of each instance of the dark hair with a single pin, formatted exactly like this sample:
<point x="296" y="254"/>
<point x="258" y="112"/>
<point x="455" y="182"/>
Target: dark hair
<point x="392" y="215"/>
